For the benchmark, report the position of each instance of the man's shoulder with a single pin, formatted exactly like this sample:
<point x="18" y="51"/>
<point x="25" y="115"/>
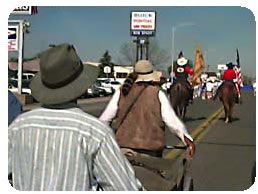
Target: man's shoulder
<point x="73" y="118"/>
<point x="91" y="121"/>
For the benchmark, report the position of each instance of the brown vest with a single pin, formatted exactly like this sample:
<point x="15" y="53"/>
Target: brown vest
<point x="143" y="127"/>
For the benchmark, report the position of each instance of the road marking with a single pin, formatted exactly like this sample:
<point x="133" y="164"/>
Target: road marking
<point x="198" y="133"/>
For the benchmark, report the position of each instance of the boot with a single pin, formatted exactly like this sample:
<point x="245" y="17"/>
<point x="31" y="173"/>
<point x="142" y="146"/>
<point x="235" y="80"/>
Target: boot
<point x="240" y="100"/>
<point x="237" y="100"/>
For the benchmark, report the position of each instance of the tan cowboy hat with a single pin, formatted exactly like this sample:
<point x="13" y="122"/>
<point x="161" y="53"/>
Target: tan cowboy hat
<point x="182" y="61"/>
<point x="145" y="72"/>
<point x="62" y="77"/>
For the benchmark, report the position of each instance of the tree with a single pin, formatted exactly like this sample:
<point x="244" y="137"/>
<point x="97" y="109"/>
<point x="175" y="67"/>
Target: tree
<point x="157" y="55"/>
<point x="247" y="80"/>
<point x="106" y="61"/>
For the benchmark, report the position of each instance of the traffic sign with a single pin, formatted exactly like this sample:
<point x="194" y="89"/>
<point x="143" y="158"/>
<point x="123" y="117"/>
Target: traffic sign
<point x="13" y="38"/>
<point x="107" y="69"/>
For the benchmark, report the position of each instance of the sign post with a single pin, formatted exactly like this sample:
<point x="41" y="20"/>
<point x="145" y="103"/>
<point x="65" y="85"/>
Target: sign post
<point x="15" y="43"/>
<point x="107" y="70"/>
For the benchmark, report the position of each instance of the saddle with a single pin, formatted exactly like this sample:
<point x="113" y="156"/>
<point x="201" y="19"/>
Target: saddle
<point x="160" y="174"/>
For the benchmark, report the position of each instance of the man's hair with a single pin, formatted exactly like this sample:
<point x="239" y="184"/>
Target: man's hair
<point x="129" y="83"/>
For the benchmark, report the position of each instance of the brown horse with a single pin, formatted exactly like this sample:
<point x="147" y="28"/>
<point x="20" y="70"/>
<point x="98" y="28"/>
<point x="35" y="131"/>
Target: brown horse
<point x="228" y="96"/>
<point x="179" y="97"/>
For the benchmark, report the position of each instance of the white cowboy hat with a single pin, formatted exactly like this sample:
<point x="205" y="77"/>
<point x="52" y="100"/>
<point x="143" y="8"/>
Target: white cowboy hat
<point x="145" y="72"/>
<point x="182" y="61"/>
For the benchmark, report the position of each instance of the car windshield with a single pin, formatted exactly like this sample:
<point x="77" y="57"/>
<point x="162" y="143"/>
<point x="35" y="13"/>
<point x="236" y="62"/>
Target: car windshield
<point x="115" y="83"/>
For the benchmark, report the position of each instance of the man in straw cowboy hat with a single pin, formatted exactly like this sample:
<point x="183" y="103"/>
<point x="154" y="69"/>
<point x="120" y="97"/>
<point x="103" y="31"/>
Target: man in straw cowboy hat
<point x="58" y="146"/>
<point x="141" y="110"/>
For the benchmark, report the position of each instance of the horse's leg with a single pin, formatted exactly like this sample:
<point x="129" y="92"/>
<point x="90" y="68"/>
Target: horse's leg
<point x="184" y="112"/>
<point x="230" y="111"/>
<point x="226" y="109"/>
<point x="179" y="111"/>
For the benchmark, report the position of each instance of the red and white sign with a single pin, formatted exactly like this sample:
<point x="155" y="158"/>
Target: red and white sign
<point x="143" y="20"/>
<point x="13" y="38"/>
<point x="22" y="10"/>
<point x="143" y="23"/>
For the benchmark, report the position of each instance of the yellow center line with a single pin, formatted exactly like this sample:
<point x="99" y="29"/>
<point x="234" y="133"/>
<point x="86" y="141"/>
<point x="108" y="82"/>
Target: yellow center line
<point x="198" y="133"/>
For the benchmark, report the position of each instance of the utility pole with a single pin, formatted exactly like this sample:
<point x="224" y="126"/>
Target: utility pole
<point x="147" y="48"/>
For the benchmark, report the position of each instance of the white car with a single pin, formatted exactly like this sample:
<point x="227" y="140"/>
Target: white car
<point x="107" y="88"/>
<point x="112" y="83"/>
<point x="13" y="87"/>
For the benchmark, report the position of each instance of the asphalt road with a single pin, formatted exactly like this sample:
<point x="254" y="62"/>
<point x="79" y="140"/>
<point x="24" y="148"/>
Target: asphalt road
<point x="225" y="153"/>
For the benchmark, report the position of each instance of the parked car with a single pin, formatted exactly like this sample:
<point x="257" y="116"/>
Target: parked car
<point x="13" y="87"/>
<point x="94" y="91"/>
<point x="112" y="83"/>
<point x="108" y="89"/>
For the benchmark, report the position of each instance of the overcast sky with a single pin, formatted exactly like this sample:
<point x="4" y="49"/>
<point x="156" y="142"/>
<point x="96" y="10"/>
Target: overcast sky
<point x="219" y="30"/>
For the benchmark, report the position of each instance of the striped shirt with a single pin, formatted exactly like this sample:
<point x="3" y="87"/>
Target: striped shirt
<point x="66" y="149"/>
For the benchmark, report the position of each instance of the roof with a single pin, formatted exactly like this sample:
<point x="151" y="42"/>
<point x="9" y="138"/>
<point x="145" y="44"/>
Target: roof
<point x="32" y="65"/>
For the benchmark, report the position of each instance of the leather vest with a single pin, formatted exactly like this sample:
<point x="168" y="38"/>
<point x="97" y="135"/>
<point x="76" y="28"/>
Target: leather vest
<point x="143" y="127"/>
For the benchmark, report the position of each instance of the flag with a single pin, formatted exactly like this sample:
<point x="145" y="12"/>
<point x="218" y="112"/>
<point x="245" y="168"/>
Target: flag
<point x="238" y="71"/>
<point x="34" y="10"/>
<point x="181" y="54"/>
<point x="199" y="66"/>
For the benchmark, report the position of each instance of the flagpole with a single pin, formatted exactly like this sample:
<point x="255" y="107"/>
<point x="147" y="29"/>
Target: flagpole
<point x="173" y="43"/>
<point x="172" y="54"/>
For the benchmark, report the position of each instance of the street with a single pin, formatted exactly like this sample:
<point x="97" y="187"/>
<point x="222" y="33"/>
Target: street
<point x="225" y="153"/>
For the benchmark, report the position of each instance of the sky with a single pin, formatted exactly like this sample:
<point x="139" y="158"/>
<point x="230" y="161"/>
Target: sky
<point x="93" y="30"/>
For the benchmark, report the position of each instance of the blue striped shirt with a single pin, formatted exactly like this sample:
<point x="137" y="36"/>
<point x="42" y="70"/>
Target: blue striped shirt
<point x="66" y="149"/>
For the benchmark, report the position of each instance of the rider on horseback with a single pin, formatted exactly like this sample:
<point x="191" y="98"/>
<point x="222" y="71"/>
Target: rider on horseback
<point x="229" y="75"/>
<point x="182" y="71"/>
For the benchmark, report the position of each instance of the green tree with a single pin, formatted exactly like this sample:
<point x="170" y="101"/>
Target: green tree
<point x="248" y="80"/>
<point x="106" y="60"/>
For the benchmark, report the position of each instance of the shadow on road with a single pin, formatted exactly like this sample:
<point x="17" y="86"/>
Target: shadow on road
<point x="233" y="119"/>
<point x="190" y="119"/>
<point x="227" y="144"/>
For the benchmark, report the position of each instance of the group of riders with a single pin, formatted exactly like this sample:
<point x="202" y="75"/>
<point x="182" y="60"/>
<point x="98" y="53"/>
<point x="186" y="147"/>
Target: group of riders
<point x="182" y="71"/>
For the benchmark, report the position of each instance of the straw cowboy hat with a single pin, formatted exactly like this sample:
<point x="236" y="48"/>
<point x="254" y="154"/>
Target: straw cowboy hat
<point x="62" y="77"/>
<point x="145" y="72"/>
<point x="182" y="61"/>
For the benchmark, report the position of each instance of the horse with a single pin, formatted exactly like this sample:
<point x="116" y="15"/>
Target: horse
<point x="228" y="95"/>
<point x="179" y="97"/>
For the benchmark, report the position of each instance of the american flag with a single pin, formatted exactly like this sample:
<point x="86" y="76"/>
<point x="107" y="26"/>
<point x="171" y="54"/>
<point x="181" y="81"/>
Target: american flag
<point x="238" y="71"/>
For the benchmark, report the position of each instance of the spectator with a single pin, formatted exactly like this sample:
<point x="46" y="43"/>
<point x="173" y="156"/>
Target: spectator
<point x="58" y="146"/>
<point x="14" y="107"/>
